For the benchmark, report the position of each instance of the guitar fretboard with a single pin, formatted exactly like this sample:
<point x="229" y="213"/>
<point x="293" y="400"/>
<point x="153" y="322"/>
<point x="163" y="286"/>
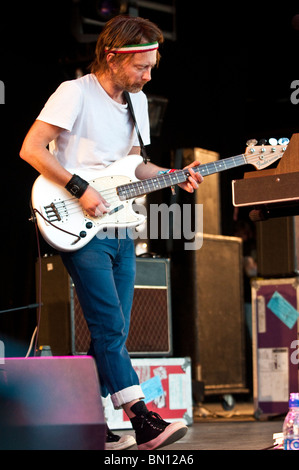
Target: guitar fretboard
<point x="139" y="188"/>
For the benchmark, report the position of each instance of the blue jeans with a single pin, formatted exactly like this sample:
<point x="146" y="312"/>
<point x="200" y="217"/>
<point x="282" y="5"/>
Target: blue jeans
<point x="104" y="273"/>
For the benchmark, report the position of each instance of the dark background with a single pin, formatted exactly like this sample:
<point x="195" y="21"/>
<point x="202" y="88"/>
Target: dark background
<point x="227" y="78"/>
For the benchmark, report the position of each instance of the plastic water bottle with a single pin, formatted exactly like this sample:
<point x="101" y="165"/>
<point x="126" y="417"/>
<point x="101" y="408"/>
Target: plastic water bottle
<point x="291" y="424"/>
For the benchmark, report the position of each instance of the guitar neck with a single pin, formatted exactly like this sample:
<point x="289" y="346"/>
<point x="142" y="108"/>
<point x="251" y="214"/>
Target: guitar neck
<point x="140" y="188"/>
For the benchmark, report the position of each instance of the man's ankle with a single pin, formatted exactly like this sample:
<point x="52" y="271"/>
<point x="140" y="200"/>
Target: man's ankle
<point x="131" y="408"/>
<point x="139" y="409"/>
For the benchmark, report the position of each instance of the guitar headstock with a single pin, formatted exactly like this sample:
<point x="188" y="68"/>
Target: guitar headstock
<point x="261" y="156"/>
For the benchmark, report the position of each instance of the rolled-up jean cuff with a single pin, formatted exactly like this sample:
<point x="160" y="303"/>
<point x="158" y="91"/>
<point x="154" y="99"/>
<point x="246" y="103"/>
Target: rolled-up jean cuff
<point x="126" y="395"/>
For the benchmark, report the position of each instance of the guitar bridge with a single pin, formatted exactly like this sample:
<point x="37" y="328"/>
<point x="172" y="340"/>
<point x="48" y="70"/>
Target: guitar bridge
<point x="52" y="213"/>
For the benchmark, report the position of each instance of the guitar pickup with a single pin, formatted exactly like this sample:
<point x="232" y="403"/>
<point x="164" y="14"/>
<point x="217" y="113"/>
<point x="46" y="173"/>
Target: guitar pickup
<point x="116" y="209"/>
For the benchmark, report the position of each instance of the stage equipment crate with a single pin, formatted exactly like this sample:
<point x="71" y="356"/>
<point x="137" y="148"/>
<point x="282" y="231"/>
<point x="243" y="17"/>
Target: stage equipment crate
<point x="275" y="344"/>
<point x="166" y="384"/>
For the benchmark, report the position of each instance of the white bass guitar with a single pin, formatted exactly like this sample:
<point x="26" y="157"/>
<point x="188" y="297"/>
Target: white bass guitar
<point x="67" y="227"/>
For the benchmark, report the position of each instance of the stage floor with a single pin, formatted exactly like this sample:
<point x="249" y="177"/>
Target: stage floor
<point x="216" y="429"/>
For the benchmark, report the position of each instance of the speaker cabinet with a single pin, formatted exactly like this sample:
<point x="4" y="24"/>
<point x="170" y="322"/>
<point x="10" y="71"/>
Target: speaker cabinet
<point x="55" y="322"/>
<point x="150" y="330"/>
<point x="208" y="314"/>
<point x="51" y="403"/>
<point x="151" y="321"/>
<point x="63" y="326"/>
<point x="278" y="247"/>
<point x="209" y="196"/>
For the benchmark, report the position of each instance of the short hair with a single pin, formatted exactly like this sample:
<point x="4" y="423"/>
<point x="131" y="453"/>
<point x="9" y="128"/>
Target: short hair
<point x="124" y="30"/>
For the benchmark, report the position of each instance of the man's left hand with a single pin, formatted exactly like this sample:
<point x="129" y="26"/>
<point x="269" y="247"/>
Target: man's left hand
<point x="193" y="180"/>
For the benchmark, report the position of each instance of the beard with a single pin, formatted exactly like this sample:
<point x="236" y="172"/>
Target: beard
<point x="124" y="82"/>
<point x="135" y="88"/>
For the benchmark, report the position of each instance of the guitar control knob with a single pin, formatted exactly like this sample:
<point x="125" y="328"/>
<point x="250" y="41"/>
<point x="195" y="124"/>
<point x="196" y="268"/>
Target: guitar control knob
<point x="82" y="234"/>
<point x="88" y="225"/>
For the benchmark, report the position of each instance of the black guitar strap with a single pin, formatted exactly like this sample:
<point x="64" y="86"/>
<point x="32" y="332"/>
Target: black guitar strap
<point x="142" y="146"/>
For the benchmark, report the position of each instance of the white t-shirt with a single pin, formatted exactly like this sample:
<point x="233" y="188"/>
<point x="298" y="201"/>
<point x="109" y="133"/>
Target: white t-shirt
<point x="96" y="129"/>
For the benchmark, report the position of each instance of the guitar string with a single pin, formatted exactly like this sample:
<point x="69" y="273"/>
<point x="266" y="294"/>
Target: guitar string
<point x="110" y="194"/>
<point x="150" y="184"/>
<point x="72" y="206"/>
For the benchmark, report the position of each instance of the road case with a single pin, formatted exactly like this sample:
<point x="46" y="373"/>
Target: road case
<point x="166" y="384"/>
<point x="275" y="344"/>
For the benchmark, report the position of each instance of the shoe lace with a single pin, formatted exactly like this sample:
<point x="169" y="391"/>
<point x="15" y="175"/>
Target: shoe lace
<point x="154" y="420"/>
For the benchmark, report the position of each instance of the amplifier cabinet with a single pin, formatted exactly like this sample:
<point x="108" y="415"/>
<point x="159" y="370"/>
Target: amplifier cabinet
<point x="63" y="326"/>
<point x="220" y="315"/>
<point x="208" y="314"/>
<point x="55" y="323"/>
<point x="210" y="197"/>
<point x="278" y="247"/>
<point x="150" y="331"/>
<point x="151" y="319"/>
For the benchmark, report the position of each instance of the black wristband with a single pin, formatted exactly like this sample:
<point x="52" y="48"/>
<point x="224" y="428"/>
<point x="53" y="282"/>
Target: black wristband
<point x="77" y="186"/>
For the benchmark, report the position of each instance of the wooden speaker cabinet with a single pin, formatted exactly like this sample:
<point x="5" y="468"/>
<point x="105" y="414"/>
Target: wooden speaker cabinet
<point x="278" y="247"/>
<point x="209" y="195"/>
<point x="208" y="315"/>
<point x="63" y="325"/>
<point x="55" y="321"/>
<point x="150" y="330"/>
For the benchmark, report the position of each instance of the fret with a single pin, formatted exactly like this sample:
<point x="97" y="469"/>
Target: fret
<point x="221" y="165"/>
<point x="132" y="190"/>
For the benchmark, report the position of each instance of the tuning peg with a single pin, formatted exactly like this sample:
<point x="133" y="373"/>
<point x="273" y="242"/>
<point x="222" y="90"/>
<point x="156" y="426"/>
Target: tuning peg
<point x="283" y="141"/>
<point x="272" y="141"/>
<point x="262" y="141"/>
<point x="251" y="142"/>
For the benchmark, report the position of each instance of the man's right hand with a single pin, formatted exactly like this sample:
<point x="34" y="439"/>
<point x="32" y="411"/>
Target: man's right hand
<point x="93" y="203"/>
